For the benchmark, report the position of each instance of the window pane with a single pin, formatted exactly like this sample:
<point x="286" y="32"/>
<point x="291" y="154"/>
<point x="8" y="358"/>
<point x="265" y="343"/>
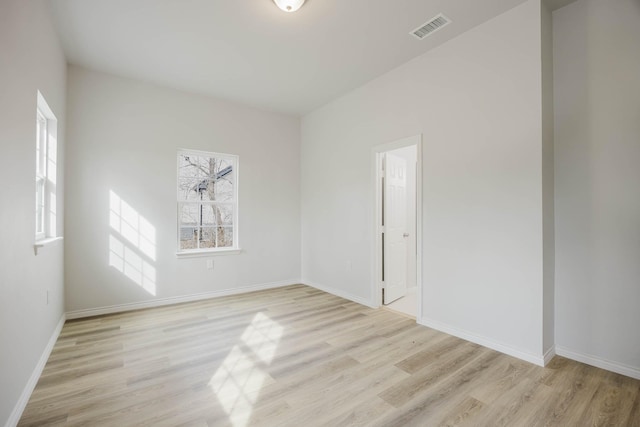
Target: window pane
<point x="224" y="164"/>
<point x="225" y="237"/>
<point x="195" y="168"/>
<point x="224" y="214"/>
<point x="204" y="190"/>
<point x="208" y="237"/>
<point x="190" y="214"/>
<point x="193" y="189"/>
<point x="208" y="215"/>
<point x="188" y="238"/>
<point x="213" y="190"/>
<point x="41" y="147"/>
<point x="40" y="205"/>
<point x="39" y="220"/>
<point x="216" y="237"/>
<point x="38" y="144"/>
<point x="223" y="188"/>
<point x="205" y="178"/>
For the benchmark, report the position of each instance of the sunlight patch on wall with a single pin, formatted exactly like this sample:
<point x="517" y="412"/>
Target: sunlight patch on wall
<point x="238" y="381"/>
<point x="125" y="260"/>
<point x="135" y="228"/>
<point x="133" y="250"/>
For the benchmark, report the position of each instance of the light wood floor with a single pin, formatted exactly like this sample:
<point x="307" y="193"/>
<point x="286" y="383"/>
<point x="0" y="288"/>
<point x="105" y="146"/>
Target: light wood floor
<point x="299" y="357"/>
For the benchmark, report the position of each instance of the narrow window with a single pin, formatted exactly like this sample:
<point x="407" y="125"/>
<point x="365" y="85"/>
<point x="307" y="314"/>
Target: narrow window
<point x="207" y="201"/>
<point x="46" y="153"/>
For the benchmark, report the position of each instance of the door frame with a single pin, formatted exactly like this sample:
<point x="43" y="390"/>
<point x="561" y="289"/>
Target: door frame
<point x="376" y="155"/>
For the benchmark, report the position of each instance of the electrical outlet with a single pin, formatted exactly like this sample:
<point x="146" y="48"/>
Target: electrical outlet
<point x="349" y="265"/>
<point x="210" y="264"/>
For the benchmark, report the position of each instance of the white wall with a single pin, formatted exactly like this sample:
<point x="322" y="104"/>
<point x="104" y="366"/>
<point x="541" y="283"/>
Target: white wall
<point x="30" y="60"/>
<point x="123" y="137"/>
<point x="477" y="101"/>
<point x="597" y="155"/>
<point x="548" y="217"/>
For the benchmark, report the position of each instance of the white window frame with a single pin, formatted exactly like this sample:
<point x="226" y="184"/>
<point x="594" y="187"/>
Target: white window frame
<point x="41" y="175"/>
<point x="235" y="161"/>
<point x="45" y="176"/>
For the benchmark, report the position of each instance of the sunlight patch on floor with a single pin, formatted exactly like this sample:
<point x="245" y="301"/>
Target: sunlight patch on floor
<point x="238" y="381"/>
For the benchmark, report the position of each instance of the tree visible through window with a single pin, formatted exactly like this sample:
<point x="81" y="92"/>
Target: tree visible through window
<point x="207" y="201"/>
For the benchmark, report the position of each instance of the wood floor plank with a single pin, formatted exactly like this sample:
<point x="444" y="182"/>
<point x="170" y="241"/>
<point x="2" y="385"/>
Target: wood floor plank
<point x="297" y="356"/>
<point x="405" y="390"/>
<point x="425" y="406"/>
<point x="463" y="413"/>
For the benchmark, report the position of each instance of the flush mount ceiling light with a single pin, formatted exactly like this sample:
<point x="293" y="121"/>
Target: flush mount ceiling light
<point x="289" y="5"/>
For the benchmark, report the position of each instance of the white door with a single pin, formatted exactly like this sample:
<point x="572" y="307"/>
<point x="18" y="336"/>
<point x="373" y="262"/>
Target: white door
<point x="395" y="228"/>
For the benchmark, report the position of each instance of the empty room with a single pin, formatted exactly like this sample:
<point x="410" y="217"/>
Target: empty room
<point x="320" y="213"/>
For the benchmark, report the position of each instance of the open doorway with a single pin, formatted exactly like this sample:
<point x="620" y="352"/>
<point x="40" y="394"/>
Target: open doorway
<point x="397" y="230"/>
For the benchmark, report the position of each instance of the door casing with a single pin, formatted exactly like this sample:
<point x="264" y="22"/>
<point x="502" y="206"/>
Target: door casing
<point x="377" y="153"/>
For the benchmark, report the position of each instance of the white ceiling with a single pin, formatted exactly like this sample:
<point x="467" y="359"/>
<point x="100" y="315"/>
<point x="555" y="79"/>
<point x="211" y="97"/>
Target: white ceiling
<point x="251" y="52"/>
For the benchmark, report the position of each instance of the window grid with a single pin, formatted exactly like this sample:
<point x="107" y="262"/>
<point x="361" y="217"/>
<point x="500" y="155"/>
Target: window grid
<point x="41" y="174"/>
<point x="207" y="201"/>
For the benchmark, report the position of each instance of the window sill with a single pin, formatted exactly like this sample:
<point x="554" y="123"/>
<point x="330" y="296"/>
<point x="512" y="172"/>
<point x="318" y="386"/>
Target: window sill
<point x="45" y="242"/>
<point x="207" y="253"/>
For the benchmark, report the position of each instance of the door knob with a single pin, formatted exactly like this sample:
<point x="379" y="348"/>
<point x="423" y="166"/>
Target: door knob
<point x="405" y="235"/>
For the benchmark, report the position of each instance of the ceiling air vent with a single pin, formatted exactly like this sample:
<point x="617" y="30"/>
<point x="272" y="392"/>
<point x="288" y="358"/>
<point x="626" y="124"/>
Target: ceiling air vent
<point x="431" y="26"/>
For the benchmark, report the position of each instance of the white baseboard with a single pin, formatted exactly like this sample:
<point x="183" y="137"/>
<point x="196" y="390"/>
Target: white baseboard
<point x="340" y="293"/>
<point x="598" y="362"/>
<point x="35" y="376"/>
<point x="483" y="341"/>
<point x="77" y="314"/>
<point x="549" y="354"/>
